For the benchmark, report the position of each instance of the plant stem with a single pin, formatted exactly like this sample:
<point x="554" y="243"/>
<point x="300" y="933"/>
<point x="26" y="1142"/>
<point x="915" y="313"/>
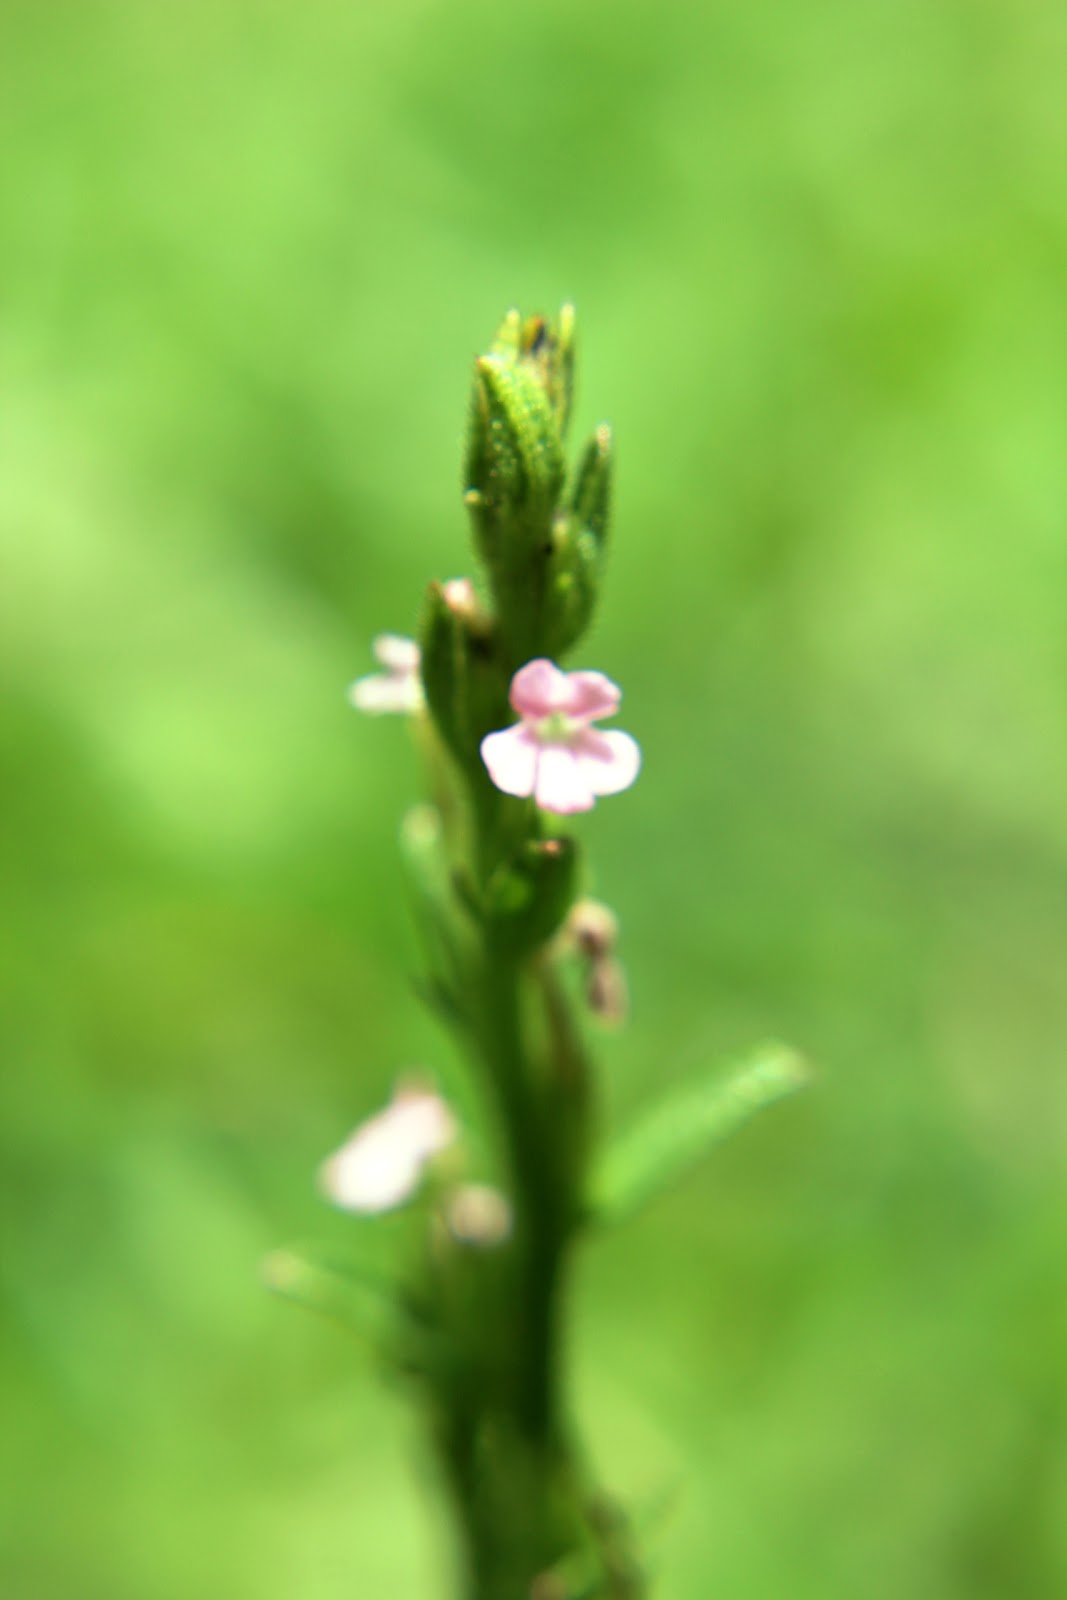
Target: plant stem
<point x="524" y="1509"/>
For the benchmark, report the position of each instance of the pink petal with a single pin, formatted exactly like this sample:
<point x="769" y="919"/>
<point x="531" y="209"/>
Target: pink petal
<point x="539" y="689"/>
<point x="609" y="762"/>
<point x="561" y="785"/>
<point x="591" y="695"/>
<point x="511" y="759"/>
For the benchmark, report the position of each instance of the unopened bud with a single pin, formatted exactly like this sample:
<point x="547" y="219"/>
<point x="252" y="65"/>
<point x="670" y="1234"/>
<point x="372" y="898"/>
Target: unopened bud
<point x="606" y="992"/>
<point x="478" y="1215"/>
<point x="590" y="500"/>
<point x="460" y="597"/>
<point x="594" y="928"/>
<point x="462" y="682"/>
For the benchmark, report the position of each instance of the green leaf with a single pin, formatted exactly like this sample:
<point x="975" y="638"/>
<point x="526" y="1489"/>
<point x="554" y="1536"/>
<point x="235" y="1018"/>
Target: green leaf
<point x="528" y="897"/>
<point x="364" y="1301"/>
<point x="672" y="1137"/>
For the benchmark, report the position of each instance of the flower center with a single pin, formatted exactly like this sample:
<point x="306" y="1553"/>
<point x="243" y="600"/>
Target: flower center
<point x="557" y="729"/>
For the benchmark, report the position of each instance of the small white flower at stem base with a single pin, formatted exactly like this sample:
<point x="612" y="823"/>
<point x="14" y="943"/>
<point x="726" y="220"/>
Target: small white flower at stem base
<point x="381" y="1165"/>
<point x="554" y="753"/>
<point x="397" y="689"/>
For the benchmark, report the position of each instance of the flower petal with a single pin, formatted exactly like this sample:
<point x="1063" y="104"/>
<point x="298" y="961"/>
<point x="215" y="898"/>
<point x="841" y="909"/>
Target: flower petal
<point x="383" y="693"/>
<point x="609" y="762"/>
<point x="591" y="695"/>
<point x="367" y="1176"/>
<point x="396" y="653"/>
<point x="380" y="1166"/>
<point x="511" y="759"/>
<point x="561" y="785"/>
<point x="538" y="690"/>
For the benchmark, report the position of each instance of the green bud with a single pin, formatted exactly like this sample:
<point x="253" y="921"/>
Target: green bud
<point x="515" y="459"/>
<point x="571" y="589"/>
<point x="507" y="341"/>
<point x="515" y="468"/>
<point x="548" y="350"/>
<point x="529" y="896"/>
<point x="578" y="540"/>
<point x="590" y="500"/>
<point x="465" y="685"/>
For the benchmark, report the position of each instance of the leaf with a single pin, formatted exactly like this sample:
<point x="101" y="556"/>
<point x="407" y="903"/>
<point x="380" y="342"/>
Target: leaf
<point x="671" y="1137"/>
<point x="362" y="1300"/>
<point x="528" y="897"/>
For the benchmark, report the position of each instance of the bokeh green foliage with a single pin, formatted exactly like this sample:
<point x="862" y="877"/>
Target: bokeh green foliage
<point x="818" y="252"/>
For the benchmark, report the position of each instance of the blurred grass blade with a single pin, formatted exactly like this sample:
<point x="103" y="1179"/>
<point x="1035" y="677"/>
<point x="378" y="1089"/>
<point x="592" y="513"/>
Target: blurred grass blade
<point x="674" y="1134"/>
<point x="363" y="1301"/>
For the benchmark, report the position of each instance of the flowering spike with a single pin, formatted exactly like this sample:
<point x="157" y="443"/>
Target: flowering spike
<point x="515" y="479"/>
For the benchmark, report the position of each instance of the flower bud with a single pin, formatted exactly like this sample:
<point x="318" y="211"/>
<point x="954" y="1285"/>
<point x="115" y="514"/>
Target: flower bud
<point x="593" y="927"/>
<point x="590" y="500"/>
<point x="542" y="556"/>
<point x="572" y="583"/>
<point x="465" y="688"/>
<point x="478" y="1215"/>
<point x="514" y="477"/>
<point x="606" y="992"/>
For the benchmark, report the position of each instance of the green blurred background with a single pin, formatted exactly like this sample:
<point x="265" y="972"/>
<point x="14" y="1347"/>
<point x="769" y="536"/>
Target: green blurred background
<point x="247" y="253"/>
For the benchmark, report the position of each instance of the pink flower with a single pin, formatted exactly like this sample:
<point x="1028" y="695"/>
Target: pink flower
<point x="398" y="687"/>
<point x="555" y="753"/>
<point x="381" y="1165"/>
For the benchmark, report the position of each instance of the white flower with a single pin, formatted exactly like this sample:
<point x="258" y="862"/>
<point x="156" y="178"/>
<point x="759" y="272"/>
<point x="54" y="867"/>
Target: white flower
<point x="380" y="1166"/>
<point x="398" y="688"/>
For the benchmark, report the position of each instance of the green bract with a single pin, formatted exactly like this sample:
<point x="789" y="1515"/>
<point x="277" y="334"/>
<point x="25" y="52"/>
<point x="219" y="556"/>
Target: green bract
<point x="541" y="548"/>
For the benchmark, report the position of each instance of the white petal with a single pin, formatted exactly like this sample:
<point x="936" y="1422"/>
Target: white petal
<point x="511" y="759"/>
<point x="561" y="786"/>
<point x="385" y="693"/>
<point x="459" y="594"/>
<point x="380" y="1166"/>
<point x="609" y="761"/>
<point x="368" y="1177"/>
<point x="396" y="653"/>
